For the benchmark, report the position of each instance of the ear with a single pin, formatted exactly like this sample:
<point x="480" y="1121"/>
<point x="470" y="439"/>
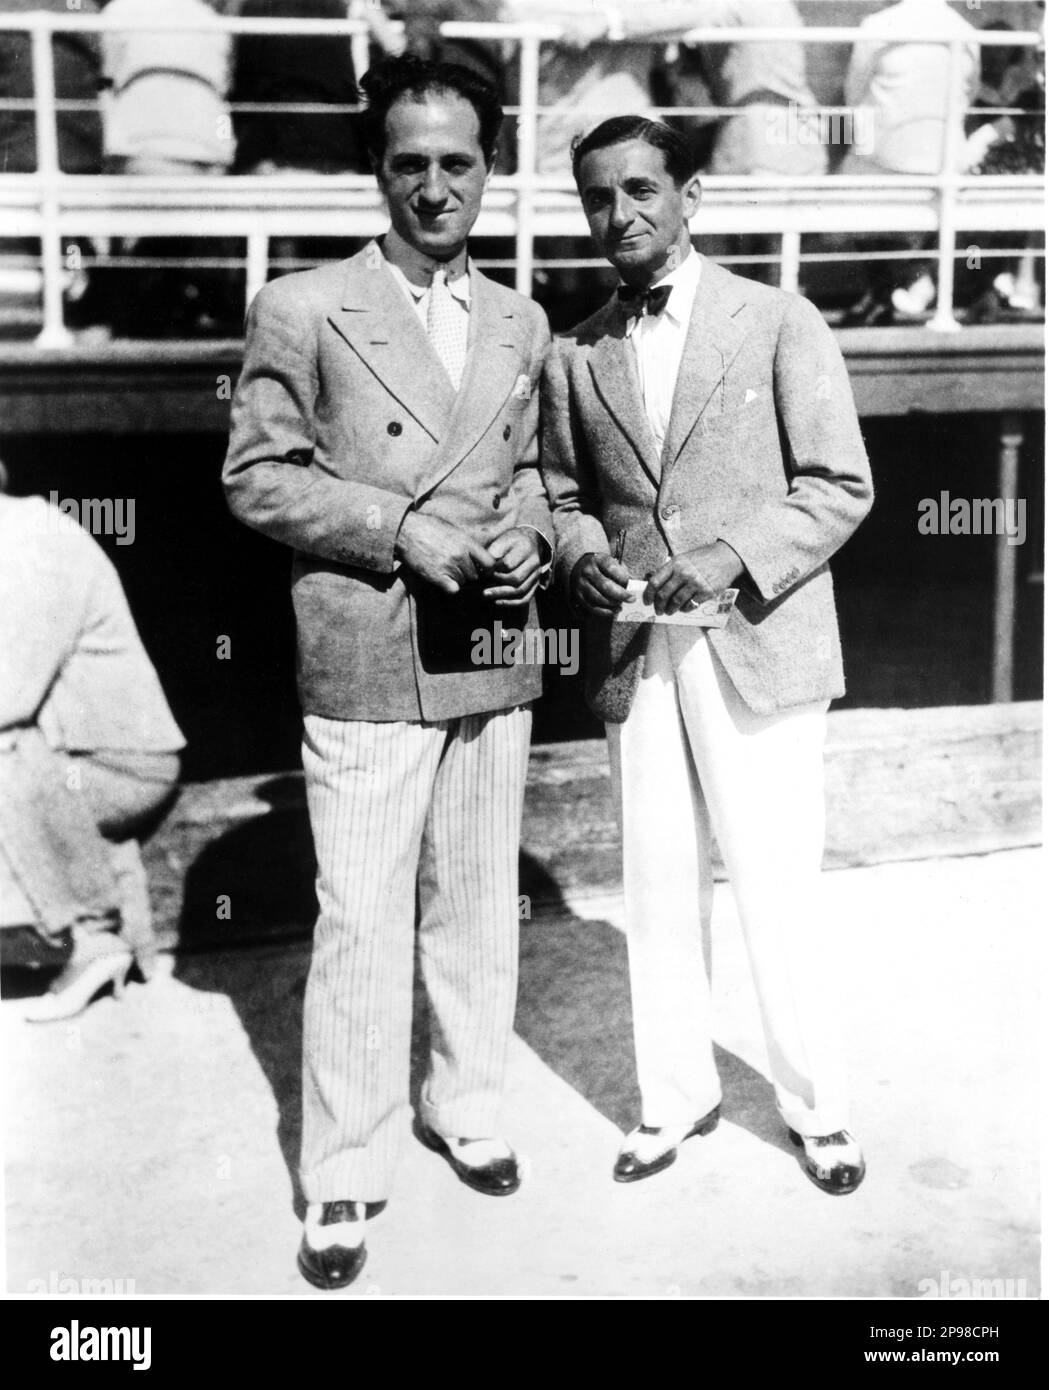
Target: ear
<point x="692" y="196"/>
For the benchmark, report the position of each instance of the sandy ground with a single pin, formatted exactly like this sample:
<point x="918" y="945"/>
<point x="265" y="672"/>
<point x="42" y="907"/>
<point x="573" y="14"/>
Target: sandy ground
<point x="152" y="1141"/>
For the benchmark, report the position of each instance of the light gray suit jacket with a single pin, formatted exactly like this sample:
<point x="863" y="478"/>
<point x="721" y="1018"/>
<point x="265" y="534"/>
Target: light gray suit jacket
<point x="763" y="451"/>
<point x="342" y="420"/>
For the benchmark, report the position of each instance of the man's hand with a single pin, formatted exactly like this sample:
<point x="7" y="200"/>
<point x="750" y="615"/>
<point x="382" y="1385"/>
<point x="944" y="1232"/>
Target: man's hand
<point x="598" y="585"/>
<point x="686" y="580"/>
<point x="519" y="567"/>
<point x="440" y="553"/>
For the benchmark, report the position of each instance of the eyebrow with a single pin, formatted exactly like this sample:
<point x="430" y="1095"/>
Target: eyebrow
<point x="422" y="156"/>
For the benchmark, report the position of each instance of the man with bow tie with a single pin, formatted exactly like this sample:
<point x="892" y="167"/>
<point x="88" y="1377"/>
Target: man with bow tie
<point x="699" y="432"/>
<point x="384" y="428"/>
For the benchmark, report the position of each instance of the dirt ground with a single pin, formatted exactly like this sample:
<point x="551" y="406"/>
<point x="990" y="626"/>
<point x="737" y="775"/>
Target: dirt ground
<point x="152" y="1142"/>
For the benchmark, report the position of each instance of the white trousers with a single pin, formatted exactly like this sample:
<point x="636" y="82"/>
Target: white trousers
<point x="404" y="813"/>
<point x="692" y="761"/>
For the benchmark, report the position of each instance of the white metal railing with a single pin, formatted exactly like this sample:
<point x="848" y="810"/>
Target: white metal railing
<point x="525" y="206"/>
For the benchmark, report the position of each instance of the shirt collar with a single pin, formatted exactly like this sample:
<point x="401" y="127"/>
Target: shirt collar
<point x="460" y="288"/>
<point x="683" y="281"/>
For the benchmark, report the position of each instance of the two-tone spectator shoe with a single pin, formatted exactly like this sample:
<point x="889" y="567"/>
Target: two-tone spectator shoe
<point x="487" y="1165"/>
<point x="832" y="1161"/>
<point x="649" y="1149"/>
<point x="333" y="1252"/>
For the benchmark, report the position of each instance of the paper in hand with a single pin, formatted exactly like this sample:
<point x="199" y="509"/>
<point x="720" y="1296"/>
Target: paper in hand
<point x="712" y="612"/>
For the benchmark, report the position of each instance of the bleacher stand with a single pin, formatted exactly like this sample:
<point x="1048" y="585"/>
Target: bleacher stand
<point x="292" y="102"/>
<point x="907" y="90"/>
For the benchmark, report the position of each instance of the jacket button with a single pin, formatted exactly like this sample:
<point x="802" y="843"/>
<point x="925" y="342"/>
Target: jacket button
<point x="394" y="427"/>
<point x="507" y="432"/>
<point x="669" y="511"/>
<point x="496" y="500"/>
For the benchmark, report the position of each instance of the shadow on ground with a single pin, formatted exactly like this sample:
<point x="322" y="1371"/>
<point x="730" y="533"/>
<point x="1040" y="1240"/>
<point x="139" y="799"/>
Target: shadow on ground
<point x="573" y="1001"/>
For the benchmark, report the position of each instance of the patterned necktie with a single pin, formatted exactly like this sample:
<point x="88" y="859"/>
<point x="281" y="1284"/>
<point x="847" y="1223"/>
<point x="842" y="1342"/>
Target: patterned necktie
<point x="640" y="302"/>
<point x="448" y="326"/>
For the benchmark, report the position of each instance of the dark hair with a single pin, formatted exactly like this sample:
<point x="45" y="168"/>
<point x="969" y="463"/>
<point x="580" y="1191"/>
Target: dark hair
<point x="416" y="78"/>
<point x="616" y="131"/>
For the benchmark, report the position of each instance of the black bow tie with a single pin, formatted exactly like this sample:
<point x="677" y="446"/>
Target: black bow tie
<point x="638" y="302"/>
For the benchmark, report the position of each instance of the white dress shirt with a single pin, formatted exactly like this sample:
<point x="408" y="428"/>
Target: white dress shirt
<point x="658" y="341"/>
<point x="419" y="298"/>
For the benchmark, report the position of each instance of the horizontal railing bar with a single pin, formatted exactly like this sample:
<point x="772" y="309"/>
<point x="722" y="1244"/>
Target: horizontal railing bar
<point x="340" y="108"/>
<point x="27" y="262"/>
<point x="462" y="29"/>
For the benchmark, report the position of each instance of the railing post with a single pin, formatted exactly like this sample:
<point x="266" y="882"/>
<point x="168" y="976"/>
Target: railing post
<point x="790" y="261"/>
<point x="54" y="332"/>
<point x="943" y="321"/>
<point x="527" y="141"/>
<point x="360" y="43"/>
<point x="257" y="266"/>
<point x="1009" y="441"/>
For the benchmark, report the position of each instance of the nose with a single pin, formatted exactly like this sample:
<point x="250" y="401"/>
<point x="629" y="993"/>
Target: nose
<point x="435" y="187"/>
<point x="622" y="212"/>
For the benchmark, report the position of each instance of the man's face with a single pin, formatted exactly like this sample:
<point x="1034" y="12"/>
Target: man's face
<point x="637" y="214"/>
<point x="433" y="172"/>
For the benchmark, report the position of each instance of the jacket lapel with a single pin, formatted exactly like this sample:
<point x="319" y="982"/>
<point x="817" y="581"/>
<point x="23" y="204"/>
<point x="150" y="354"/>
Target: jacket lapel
<point x="495" y="356"/>
<point x="714" y="337"/>
<point x="614" y="371"/>
<point x="380" y="325"/>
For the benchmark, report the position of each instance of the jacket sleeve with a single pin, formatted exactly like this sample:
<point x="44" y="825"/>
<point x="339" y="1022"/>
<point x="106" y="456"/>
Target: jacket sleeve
<point x="527" y="486"/>
<point x="272" y="480"/>
<point x="571" y="482"/>
<point x="830" y="492"/>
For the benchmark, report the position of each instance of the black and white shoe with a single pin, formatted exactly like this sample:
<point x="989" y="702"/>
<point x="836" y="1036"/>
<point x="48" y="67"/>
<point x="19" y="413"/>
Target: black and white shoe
<point x="332" y="1253"/>
<point x="832" y="1161"/>
<point x="649" y="1149"/>
<point x="486" y="1165"/>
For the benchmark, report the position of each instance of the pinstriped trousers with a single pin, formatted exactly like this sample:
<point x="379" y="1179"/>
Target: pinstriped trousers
<point x="406" y="812"/>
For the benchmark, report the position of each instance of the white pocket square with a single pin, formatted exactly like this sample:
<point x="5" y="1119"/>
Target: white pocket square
<point x="522" y="387"/>
<point x="751" y="395"/>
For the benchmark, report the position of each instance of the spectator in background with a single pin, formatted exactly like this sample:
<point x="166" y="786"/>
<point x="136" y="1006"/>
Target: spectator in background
<point x="766" y="85"/>
<point x="89" y="759"/>
<point x="1008" y="143"/>
<point x="295" y="68"/>
<point x="904" y="90"/>
<point x="165" y="111"/>
<point x="76" y="65"/>
<point x="166" y="116"/>
<point x="422" y="20"/>
<point x="761" y="82"/>
<point x="607" y="58"/>
<point x="595" y="71"/>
